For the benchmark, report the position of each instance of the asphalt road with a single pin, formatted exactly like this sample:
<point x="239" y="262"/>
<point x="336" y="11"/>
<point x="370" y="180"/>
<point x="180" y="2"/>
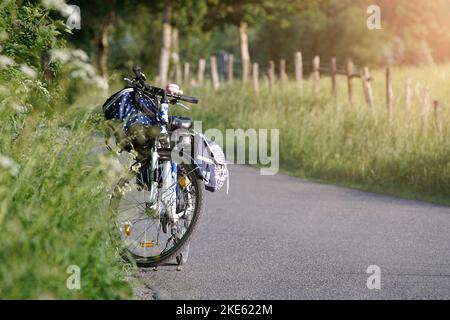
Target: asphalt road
<point x="277" y="237"/>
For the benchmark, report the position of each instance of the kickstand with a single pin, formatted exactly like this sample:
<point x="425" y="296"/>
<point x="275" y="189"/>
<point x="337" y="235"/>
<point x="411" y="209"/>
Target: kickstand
<point x="180" y="263"/>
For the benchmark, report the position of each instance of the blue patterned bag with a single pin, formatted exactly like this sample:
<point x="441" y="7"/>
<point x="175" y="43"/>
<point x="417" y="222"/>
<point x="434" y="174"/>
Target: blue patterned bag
<point x="130" y="107"/>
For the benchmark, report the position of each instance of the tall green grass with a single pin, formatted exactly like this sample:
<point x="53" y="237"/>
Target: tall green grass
<point x="53" y="185"/>
<point x="348" y="144"/>
<point x="52" y="211"/>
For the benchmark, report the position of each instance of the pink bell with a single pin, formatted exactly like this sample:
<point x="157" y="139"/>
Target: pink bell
<point x="173" y="88"/>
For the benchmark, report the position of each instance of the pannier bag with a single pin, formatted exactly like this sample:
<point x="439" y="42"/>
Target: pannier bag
<point x="211" y="161"/>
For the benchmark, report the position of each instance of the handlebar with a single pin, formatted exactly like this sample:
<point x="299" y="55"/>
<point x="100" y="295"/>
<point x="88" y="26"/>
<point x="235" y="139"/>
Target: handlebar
<point x="140" y="76"/>
<point x="187" y="99"/>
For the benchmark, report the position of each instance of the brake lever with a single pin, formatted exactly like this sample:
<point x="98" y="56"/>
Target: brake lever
<point x="128" y="81"/>
<point x="183" y="106"/>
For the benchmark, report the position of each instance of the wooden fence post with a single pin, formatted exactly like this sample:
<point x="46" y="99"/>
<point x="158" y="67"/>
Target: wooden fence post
<point x="425" y="108"/>
<point x="230" y="68"/>
<point x="350" y="71"/>
<point x="201" y="71"/>
<point x="271" y="73"/>
<point x="186" y="73"/>
<point x="333" y="78"/>
<point x="389" y="91"/>
<point x="256" y="77"/>
<point x="299" y="71"/>
<point x="316" y="74"/>
<point x="408" y="95"/>
<point x="178" y="73"/>
<point x="283" y="76"/>
<point x="365" y="77"/>
<point x="437" y="118"/>
<point x="214" y="73"/>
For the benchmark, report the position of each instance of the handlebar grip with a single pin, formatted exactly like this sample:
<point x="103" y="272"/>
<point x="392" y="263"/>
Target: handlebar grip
<point x="138" y="72"/>
<point x="188" y="99"/>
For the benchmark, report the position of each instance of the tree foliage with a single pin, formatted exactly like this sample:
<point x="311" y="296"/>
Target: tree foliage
<point x="411" y="29"/>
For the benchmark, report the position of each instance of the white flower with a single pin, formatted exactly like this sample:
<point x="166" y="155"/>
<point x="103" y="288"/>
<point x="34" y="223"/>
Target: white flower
<point x="136" y="168"/>
<point x="43" y="89"/>
<point x="77" y="61"/>
<point x="59" y="55"/>
<point x="28" y="71"/>
<point x="88" y="68"/>
<point x="54" y="4"/>
<point x="9" y="164"/>
<point x="77" y="74"/>
<point x="20" y="108"/>
<point x="6" y="62"/>
<point x="69" y="11"/>
<point x="101" y="83"/>
<point x="80" y="54"/>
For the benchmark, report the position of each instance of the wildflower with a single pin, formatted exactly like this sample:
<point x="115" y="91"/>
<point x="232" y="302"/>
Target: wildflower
<point x="80" y="54"/>
<point x="6" y="61"/>
<point x="59" y="5"/>
<point x="136" y="168"/>
<point x="101" y="83"/>
<point x="9" y="165"/>
<point x="59" y="55"/>
<point x="28" y="71"/>
<point x="20" y="108"/>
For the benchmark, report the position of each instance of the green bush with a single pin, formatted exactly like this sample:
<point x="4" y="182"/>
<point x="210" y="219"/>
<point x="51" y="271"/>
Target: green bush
<point x="53" y="187"/>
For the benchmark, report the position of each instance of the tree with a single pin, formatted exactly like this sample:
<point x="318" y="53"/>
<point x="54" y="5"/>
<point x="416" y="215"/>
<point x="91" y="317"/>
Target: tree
<point x="97" y="21"/>
<point x="244" y="12"/>
<point x="421" y="26"/>
<point x="132" y="25"/>
<point x="103" y="43"/>
<point x="178" y="16"/>
<point x="164" y="58"/>
<point x="332" y="30"/>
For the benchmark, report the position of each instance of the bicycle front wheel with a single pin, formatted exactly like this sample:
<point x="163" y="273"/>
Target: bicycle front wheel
<point x="147" y="237"/>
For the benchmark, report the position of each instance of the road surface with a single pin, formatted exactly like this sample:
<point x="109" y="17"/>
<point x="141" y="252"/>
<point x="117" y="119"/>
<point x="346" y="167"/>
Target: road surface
<point x="278" y="237"/>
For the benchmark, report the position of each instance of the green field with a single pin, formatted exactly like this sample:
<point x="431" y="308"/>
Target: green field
<point x="349" y="144"/>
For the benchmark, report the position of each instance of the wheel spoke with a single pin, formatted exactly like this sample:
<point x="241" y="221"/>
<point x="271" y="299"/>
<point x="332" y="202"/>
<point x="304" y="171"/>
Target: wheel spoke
<point x="142" y="234"/>
<point x="148" y="230"/>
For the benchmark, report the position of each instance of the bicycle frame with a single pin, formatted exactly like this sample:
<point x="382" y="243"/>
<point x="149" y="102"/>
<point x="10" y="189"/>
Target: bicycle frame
<point x="167" y="195"/>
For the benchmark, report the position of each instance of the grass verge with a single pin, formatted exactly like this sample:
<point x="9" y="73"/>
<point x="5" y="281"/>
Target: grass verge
<point x="52" y="212"/>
